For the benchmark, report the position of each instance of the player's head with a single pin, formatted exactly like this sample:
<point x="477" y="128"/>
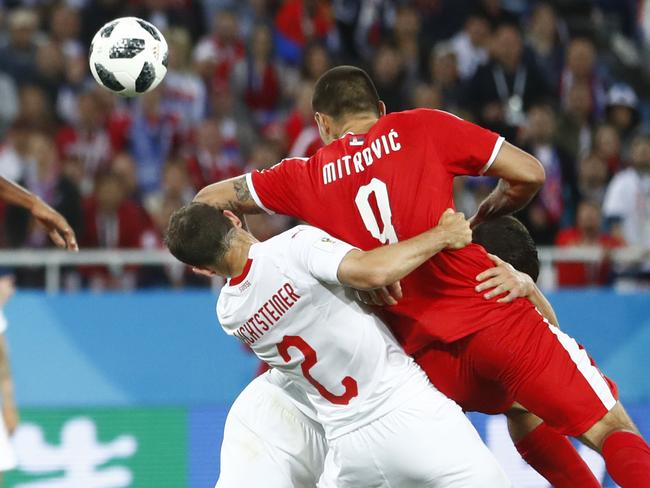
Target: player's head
<point x="202" y="236"/>
<point x="343" y="93"/>
<point x="509" y="239"/>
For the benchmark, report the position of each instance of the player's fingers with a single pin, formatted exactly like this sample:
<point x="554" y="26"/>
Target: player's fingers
<point x="449" y="211"/>
<point x="57" y="239"/>
<point x="491" y="283"/>
<point x="510" y="297"/>
<point x="488" y="273"/>
<point x="396" y="290"/>
<point x="376" y="298"/>
<point x="385" y="297"/>
<point x="70" y="239"/>
<point x="495" y="292"/>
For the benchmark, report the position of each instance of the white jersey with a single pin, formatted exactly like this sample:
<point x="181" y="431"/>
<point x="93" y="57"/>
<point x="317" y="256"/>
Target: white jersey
<point x="289" y="307"/>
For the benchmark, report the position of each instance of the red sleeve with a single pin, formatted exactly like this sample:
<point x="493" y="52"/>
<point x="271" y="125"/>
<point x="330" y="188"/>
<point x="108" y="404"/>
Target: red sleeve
<point x="280" y="188"/>
<point x="463" y="148"/>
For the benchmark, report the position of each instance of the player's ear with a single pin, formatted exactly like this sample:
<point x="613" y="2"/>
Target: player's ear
<point x="382" y="108"/>
<point x="236" y="221"/>
<point x="204" y="272"/>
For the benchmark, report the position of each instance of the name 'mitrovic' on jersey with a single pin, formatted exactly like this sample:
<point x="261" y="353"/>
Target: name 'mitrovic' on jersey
<point x="392" y="184"/>
<point x="290" y="309"/>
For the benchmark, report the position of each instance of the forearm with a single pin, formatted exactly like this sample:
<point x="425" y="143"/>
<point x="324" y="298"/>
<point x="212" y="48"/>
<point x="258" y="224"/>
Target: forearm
<point x="232" y="194"/>
<point x="15" y="194"/>
<point x="6" y="383"/>
<point x="506" y="199"/>
<point x="385" y="265"/>
<point x="538" y="299"/>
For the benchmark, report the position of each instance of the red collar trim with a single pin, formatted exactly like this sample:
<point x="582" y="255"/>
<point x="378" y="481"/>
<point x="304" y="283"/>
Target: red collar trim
<point x="235" y="280"/>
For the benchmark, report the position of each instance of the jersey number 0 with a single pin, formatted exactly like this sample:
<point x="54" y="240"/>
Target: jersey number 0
<point x="350" y="384"/>
<point x="377" y="187"/>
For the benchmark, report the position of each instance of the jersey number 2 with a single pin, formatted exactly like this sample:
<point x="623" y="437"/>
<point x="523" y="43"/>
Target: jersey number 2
<point x="350" y="384"/>
<point x="387" y="234"/>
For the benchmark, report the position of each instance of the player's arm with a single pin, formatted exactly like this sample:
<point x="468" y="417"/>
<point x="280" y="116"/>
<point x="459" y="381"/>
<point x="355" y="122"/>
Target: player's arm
<point x="232" y="194"/>
<point x="57" y="226"/>
<point x="367" y="270"/>
<point x="521" y="177"/>
<point x="9" y="410"/>
<point x="504" y="279"/>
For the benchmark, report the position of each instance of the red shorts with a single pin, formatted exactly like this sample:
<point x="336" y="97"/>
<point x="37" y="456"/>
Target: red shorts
<point x="529" y="362"/>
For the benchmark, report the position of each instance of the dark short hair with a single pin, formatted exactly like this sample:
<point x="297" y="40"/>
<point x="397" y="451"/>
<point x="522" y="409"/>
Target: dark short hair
<point x="509" y="239"/>
<point x="198" y="234"/>
<point x="345" y="90"/>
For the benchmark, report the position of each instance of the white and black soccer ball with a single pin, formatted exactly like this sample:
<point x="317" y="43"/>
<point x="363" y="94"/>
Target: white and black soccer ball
<point x="128" y="56"/>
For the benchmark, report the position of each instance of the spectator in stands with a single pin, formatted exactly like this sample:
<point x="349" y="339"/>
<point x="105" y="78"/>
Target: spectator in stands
<point x="176" y="186"/>
<point x="504" y="89"/>
<point x="545" y="42"/>
<point x="406" y="36"/>
<point x="216" y="54"/>
<point x="14" y="152"/>
<point x="167" y="14"/>
<point x="256" y="80"/>
<point x="183" y="91"/>
<point x="297" y="23"/>
<point x="622" y="112"/>
<point x="557" y="198"/>
<point x="574" y="129"/>
<point x="627" y="201"/>
<point x="65" y="26"/>
<point x="445" y="77"/>
<point x="301" y="131"/>
<point x="607" y="144"/>
<point x="315" y="62"/>
<point x="389" y="77"/>
<point x="494" y="11"/>
<point x="426" y="96"/>
<point x="154" y="137"/>
<point x="87" y="139"/>
<point x="580" y="67"/>
<point x="36" y="108"/>
<point x="592" y="178"/>
<point x="8" y="102"/>
<point x="265" y="154"/>
<point x="470" y="45"/>
<point x="112" y="221"/>
<point x="50" y="68"/>
<point x="124" y="166"/>
<point x="211" y="161"/>
<point x="18" y="56"/>
<point x="587" y="232"/>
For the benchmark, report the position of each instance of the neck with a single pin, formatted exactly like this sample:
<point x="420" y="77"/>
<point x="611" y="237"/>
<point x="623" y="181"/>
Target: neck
<point x="359" y="125"/>
<point x="237" y="255"/>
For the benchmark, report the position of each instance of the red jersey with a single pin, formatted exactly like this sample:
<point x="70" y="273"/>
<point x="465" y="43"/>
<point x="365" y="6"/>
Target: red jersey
<point x="391" y="184"/>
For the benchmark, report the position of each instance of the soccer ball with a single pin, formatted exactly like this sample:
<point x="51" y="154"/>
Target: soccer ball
<point x="128" y="56"/>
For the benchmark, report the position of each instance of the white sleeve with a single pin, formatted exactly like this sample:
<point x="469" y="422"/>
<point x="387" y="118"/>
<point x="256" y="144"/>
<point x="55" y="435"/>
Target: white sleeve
<point x="616" y="198"/>
<point x="318" y="253"/>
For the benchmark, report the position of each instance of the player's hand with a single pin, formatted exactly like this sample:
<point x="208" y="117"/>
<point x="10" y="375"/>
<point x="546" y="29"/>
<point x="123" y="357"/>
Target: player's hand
<point x="388" y="295"/>
<point x="504" y="279"/>
<point x="456" y="229"/>
<point x="56" y="225"/>
<point x="10" y="416"/>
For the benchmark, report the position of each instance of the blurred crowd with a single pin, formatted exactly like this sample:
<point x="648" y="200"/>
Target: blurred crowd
<point x="564" y="79"/>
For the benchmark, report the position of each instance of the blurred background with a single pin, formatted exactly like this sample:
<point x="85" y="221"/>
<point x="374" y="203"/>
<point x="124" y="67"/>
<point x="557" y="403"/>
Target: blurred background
<point x="122" y="375"/>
